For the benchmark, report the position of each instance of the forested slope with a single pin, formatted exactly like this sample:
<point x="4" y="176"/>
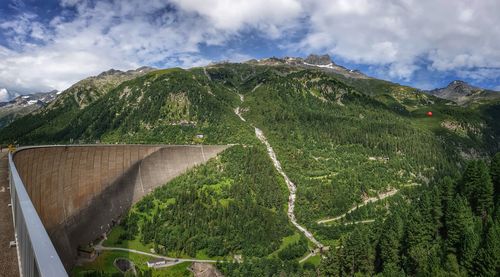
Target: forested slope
<point x="448" y="228"/>
<point x="340" y="140"/>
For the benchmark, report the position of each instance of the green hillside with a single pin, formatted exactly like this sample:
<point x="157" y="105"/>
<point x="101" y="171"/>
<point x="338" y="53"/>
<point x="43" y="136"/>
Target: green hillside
<point x="342" y="141"/>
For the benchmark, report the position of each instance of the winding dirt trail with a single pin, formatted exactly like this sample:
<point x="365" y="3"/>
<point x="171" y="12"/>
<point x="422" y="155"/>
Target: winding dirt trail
<point x="367" y="201"/>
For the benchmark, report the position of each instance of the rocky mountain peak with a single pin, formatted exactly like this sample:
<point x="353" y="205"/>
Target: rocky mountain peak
<point x="461" y="86"/>
<point x="463" y="93"/>
<point x="318" y="59"/>
<point x="112" y="71"/>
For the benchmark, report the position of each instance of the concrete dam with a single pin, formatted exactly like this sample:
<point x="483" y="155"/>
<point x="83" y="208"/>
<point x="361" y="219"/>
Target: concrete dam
<point x="79" y="192"/>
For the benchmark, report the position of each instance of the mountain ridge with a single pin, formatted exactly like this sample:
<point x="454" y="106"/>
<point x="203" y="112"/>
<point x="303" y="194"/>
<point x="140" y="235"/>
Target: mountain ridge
<point x="463" y="93"/>
<point x="23" y="105"/>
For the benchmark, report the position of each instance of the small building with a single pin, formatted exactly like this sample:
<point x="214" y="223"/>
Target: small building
<point x="156" y="262"/>
<point x="86" y="252"/>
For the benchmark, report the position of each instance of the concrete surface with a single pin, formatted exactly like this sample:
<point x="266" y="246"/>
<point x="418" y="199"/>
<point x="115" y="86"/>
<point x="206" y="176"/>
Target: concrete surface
<point x="79" y="192"/>
<point x="8" y="256"/>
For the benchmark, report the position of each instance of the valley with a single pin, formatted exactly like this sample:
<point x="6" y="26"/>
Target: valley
<point x="320" y="158"/>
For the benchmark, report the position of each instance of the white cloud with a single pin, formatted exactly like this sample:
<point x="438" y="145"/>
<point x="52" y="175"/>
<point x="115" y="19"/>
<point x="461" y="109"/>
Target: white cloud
<point x="452" y="35"/>
<point x="269" y="16"/>
<point x="6" y="95"/>
<point x="3" y="95"/>
<point x="118" y="34"/>
<point x="399" y="37"/>
<point x="480" y="74"/>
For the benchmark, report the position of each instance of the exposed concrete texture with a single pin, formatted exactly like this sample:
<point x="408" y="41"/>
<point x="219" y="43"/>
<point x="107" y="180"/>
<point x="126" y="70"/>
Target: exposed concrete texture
<point x="8" y="255"/>
<point x="79" y="191"/>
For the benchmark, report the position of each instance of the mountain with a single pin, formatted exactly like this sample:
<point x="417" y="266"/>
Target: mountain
<point x="64" y="109"/>
<point x="22" y="105"/>
<point x="339" y="146"/>
<point x="318" y="59"/>
<point x="90" y="89"/>
<point x="462" y="93"/>
<point x="320" y="62"/>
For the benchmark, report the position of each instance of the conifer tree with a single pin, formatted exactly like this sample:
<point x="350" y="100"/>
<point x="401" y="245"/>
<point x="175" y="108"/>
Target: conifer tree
<point x="390" y="242"/>
<point x="357" y="253"/>
<point x="457" y="219"/>
<point x="487" y="260"/>
<point x="495" y="175"/>
<point x="484" y="191"/>
<point x="476" y="186"/>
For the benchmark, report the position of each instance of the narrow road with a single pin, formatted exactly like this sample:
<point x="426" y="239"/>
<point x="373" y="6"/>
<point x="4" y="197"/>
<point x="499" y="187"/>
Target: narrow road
<point x="312" y="253"/>
<point x="367" y="201"/>
<point x="360" y="222"/>
<point x="176" y="260"/>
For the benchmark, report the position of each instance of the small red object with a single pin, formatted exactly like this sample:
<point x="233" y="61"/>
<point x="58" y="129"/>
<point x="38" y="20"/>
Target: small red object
<point x="429" y="114"/>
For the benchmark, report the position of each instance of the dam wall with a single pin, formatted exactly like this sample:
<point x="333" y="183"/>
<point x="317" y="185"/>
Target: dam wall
<point x="79" y="192"/>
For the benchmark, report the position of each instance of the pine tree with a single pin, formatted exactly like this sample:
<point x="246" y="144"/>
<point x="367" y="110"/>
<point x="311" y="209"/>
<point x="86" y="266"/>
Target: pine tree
<point x="331" y="265"/>
<point x="451" y="265"/>
<point x="469" y="245"/>
<point x="457" y="219"/>
<point x="417" y="243"/>
<point x="469" y="177"/>
<point x="477" y="187"/>
<point x="357" y="255"/>
<point x="487" y="261"/>
<point x="495" y="175"/>
<point x="447" y="194"/>
<point x="484" y="191"/>
<point x="390" y="243"/>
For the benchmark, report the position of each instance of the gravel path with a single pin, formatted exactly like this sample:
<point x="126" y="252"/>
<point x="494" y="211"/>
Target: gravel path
<point x="367" y="201"/>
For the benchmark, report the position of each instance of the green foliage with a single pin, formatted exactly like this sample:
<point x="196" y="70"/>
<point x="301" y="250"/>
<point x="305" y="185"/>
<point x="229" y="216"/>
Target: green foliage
<point x="476" y="185"/>
<point x="340" y="140"/>
<point x="433" y="233"/>
<point x="103" y="266"/>
<point x="294" y="250"/>
<point x="263" y="267"/>
<point x="251" y="220"/>
<point x="389" y="248"/>
<point x="495" y="174"/>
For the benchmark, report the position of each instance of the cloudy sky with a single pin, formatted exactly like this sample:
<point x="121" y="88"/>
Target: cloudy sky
<point x="50" y="44"/>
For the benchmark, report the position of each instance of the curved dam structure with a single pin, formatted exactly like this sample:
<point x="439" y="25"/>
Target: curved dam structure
<point x="79" y="192"/>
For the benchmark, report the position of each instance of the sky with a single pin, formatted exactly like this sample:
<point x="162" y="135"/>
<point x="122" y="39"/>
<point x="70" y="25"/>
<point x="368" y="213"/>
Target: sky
<point x="51" y="44"/>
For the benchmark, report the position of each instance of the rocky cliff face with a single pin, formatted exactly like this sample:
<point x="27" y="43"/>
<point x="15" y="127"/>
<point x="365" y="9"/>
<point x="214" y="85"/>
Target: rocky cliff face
<point x="321" y="62"/>
<point x="318" y="59"/>
<point x="463" y="93"/>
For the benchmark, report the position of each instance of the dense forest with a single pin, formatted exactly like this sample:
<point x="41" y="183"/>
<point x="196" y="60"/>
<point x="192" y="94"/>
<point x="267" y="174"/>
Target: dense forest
<point x="340" y="145"/>
<point x="450" y="227"/>
<point x="235" y="204"/>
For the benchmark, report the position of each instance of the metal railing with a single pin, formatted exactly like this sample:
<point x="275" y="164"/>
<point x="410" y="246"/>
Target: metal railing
<point x="36" y="253"/>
